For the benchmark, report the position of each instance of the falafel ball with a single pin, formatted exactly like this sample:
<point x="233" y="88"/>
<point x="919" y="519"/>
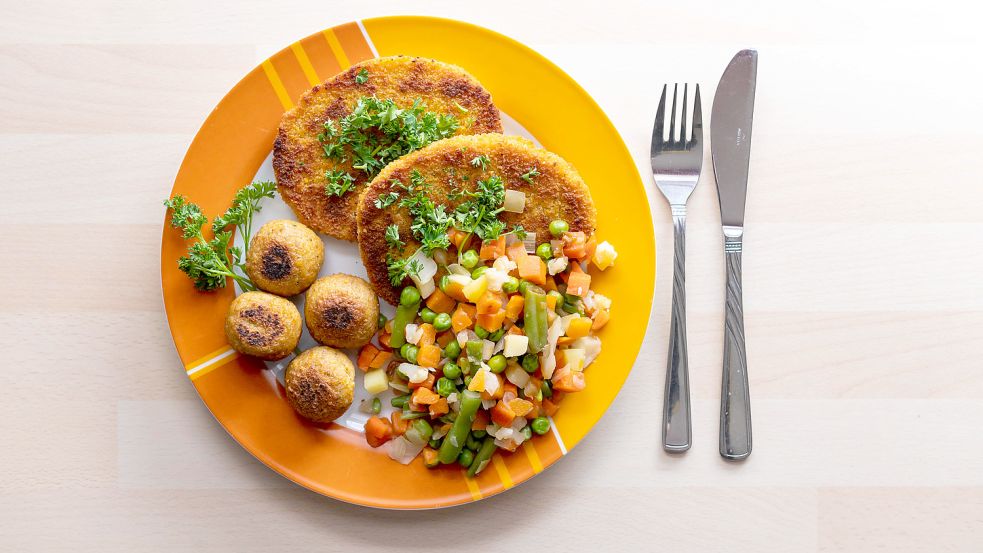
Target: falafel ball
<point x="341" y="311"/>
<point x="263" y="325"/>
<point x="320" y="383"/>
<point x="284" y="257"/>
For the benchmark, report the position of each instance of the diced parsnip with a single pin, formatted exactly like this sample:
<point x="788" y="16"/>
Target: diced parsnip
<point x="604" y="255"/>
<point x="516" y="345"/>
<point x="375" y="381"/>
<point x="515" y="201"/>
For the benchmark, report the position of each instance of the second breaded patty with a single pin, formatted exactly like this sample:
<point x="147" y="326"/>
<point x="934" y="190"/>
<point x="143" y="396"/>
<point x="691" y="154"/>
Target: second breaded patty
<point x="553" y="190"/>
<point x="299" y="158"/>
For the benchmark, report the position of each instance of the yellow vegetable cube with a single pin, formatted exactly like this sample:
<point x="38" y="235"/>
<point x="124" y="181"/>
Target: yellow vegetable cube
<point x="375" y="381"/>
<point x="476" y="288"/>
<point x="574" y="358"/>
<point x="604" y="255"/>
<point x="579" y="327"/>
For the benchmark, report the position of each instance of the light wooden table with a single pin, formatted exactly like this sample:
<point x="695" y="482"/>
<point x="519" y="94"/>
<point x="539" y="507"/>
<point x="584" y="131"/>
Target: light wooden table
<point x="864" y="299"/>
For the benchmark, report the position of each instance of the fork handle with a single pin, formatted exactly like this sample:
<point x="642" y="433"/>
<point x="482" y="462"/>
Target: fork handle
<point x="676" y="422"/>
<point x="735" y="407"/>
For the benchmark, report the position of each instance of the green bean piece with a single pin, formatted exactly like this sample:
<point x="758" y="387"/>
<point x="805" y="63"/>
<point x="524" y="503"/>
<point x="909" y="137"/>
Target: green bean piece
<point x="434" y="443"/>
<point x="443" y="282"/>
<point x="409" y="296"/>
<point x="534" y="318"/>
<point x="540" y="425"/>
<point x="523" y="286"/>
<point x="442" y="322"/>
<point x="419" y="431"/>
<point x="497" y="335"/>
<point x="399" y="401"/>
<point x="473" y="444"/>
<point x="458" y="434"/>
<point x="411" y="415"/>
<point x="452" y="371"/>
<point x="482" y="457"/>
<point x="376" y="406"/>
<point x="480" y="331"/>
<point x="428" y="315"/>
<point x="405" y="314"/>
<point x="497" y="363"/>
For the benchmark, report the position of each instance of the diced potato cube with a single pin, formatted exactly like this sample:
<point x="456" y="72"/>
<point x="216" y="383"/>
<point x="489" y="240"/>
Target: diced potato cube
<point x="604" y="255"/>
<point x="574" y="358"/>
<point x="375" y="381"/>
<point x="516" y="345"/>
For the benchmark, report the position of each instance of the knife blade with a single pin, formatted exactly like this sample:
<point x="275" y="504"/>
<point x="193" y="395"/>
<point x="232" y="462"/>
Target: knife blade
<point x="730" y="134"/>
<point x="730" y="149"/>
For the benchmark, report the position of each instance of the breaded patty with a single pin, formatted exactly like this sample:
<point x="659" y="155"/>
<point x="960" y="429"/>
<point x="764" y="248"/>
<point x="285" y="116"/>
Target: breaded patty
<point x="299" y="160"/>
<point x="557" y="192"/>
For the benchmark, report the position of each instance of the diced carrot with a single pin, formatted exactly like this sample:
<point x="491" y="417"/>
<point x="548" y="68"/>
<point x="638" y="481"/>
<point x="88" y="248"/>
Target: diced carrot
<point x="381" y="359"/>
<point x="423" y="396"/>
<point x="520" y="407"/>
<point x="551" y="302"/>
<point x="573" y="244"/>
<point x="460" y="320"/>
<point x="513" y="309"/>
<point x="536" y="408"/>
<point x="440" y="302"/>
<point x="515" y="329"/>
<point x="502" y="414"/>
<point x="471" y="310"/>
<point x="428" y="356"/>
<point x="439" y="407"/>
<point x="378" y="431"/>
<point x="492" y="249"/>
<point x="430" y="457"/>
<point x="480" y="420"/>
<point x="601" y="318"/>
<point x="509" y="446"/>
<point x="564" y="341"/>
<point x="572" y="381"/>
<point x="549" y="407"/>
<point x="384" y="338"/>
<point x="490" y="302"/>
<point x="579" y="327"/>
<point x="445" y="338"/>
<point x="455" y="290"/>
<point x="578" y="284"/>
<point x="366" y="355"/>
<point x="516" y="251"/>
<point x="428" y="383"/>
<point x="398" y="424"/>
<point x="456" y="237"/>
<point x="533" y="269"/>
<point x="492" y="322"/>
<point x="428" y="334"/>
<point x="550" y="283"/>
<point x="590" y="247"/>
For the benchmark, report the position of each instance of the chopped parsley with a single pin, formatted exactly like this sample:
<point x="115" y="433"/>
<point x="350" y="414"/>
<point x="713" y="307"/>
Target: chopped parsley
<point x="375" y="133"/>
<point x="400" y="269"/>
<point x="392" y="237"/>
<point x="480" y="161"/>
<point x="530" y="174"/>
<point x="362" y="76"/>
<point x="386" y="200"/>
<point x="479" y="213"/>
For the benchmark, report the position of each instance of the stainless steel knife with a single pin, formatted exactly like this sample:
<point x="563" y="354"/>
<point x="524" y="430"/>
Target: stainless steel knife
<point x="730" y="146"/>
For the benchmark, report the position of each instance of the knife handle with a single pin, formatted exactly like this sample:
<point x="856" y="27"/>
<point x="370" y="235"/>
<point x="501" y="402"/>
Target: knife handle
<point x="735" y="408"/>
<point x="677" y="433"/>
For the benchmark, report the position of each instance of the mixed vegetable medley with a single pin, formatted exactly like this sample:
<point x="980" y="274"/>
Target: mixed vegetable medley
<point x="481" y="361"/>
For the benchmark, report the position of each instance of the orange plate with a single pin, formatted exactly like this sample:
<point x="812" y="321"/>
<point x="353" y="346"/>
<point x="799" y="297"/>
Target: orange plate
<point x="238" y="136"/>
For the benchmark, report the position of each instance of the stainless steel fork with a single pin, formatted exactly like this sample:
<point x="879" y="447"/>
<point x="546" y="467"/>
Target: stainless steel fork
<point x="676" y="165"/>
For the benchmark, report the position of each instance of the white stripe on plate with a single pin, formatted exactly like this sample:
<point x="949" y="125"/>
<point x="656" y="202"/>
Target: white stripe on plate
<point x="559" y="440"/>
<point x="212" y="361"/>
<point x="367" y="39"/>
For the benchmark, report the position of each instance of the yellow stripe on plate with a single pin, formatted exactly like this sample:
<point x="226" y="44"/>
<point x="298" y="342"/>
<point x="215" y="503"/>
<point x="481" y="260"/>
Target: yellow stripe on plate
<point x="277" y="85"/>
<point x="339" y="52"/>
<point x="534" y="460"/>
<point x="503" y="471"/>
<point x="473" y="488"/>
<point x="305" y="64"/>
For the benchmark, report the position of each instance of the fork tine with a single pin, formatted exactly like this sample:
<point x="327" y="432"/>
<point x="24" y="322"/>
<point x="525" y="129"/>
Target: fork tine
<point x="697" y="120"/>
<point x="682" y="121"/>
<point x="660" y="121"/>
<point x="672" y="119"/>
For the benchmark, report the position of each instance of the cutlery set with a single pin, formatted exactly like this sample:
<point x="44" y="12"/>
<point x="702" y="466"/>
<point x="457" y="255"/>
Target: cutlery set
<point x="677" y="160"/>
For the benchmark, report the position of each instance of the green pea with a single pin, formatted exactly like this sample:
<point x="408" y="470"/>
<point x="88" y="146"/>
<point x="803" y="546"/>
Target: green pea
<point x="408" y="352"/>
<point x="527" y="432"/>
<point x="469" y="259"/>
<point x="540" y="425"/>
<point x="442" y="322"/>
<point x="443" y="282"/>
<point x="497" y="335"/>
<point x="558" y="227"/>
<point x="465" y="458"/>
<point x="445" y="386"/>
<point x="376" y="406"/>
<point x="427" y="315"/>
<point x="497" y="363"/>
<point x="530" y="362"/>
<point x="545" y="251"/>
<point x="481" y="332"/>
<point x="479" y="434"/>
<point x="452" y="350"/>
<point x="382" y="320"/>
<point x="399" y="401"/>
<point x="452" y="371"/>
<point x="478" y="271"/>
<point x="467" y="380"/>
<point x="409" y="296"/>
<point x="510" y="285"/>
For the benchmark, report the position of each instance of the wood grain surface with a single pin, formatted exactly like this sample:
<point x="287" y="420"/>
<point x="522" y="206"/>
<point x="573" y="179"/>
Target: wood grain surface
<point x="862" y="282"/>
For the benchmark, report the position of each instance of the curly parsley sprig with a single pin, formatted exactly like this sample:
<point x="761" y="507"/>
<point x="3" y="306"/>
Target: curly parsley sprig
<point x="210" y="263"/>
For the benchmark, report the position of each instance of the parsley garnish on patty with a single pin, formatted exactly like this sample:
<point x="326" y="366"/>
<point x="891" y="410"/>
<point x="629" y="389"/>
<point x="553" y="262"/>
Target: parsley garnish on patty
<point x="375" y="133"/>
